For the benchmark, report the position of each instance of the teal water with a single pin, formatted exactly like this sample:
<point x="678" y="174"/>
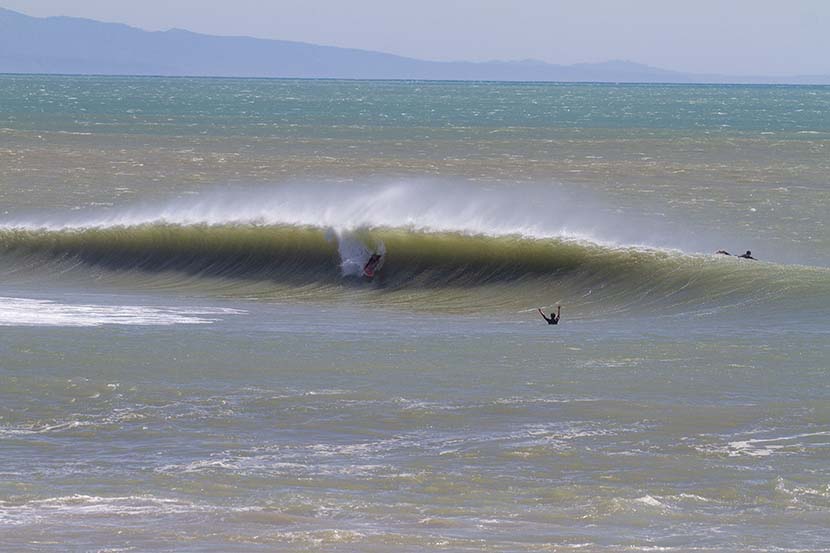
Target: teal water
<point x="191" y="360"/>
<point x="262" y="107"/>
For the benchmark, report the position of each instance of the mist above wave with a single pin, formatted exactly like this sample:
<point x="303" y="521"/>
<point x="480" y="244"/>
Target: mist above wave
<point x="532" y="211"/>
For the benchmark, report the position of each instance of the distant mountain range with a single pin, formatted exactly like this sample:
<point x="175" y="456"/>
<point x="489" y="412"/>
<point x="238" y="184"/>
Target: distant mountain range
<point x="68" y="45"/>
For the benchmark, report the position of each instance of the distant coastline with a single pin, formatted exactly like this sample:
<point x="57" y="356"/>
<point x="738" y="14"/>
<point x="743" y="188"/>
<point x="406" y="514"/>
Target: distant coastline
<point x="74" y="46"/>
<point x="404" y="80"/>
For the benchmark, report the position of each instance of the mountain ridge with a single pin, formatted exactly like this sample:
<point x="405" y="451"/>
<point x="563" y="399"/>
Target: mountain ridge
<point x="71" y="45"/>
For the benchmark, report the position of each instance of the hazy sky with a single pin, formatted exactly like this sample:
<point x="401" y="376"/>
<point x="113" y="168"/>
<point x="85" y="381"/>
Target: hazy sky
<point x="739" y="37"/>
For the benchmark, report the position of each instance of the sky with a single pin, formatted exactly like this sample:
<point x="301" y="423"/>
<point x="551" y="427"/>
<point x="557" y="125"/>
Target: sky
<point x="734" y="37"/>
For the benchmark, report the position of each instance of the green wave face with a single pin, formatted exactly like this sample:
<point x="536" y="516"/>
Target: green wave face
<point x="434" y="271"/>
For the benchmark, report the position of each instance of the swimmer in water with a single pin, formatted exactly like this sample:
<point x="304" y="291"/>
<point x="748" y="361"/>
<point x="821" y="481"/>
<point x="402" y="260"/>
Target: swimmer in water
<point x="553" y="319"/>
<point x="747" y="255"/>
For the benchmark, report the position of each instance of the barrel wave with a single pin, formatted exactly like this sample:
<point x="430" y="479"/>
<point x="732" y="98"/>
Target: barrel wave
<point x="444" y="271"/>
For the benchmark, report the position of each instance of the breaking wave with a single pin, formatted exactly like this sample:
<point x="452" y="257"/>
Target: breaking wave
<point x="442" y="255"/>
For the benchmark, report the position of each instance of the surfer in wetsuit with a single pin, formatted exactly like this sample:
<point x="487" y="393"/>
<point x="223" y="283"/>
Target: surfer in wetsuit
<point x="553" y="319"/>
<point x="747" y="255"/>
<point x="372" y="265"/>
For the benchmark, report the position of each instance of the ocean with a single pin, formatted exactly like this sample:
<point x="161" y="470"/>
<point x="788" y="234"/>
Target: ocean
<point x="191" y="359"/>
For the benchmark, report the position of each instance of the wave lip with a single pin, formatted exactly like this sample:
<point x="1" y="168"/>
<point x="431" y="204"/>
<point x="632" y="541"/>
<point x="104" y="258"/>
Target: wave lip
<point x="429" y="207"/>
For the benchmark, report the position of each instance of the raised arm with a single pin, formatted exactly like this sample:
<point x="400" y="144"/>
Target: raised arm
<point x="543" y="315"/>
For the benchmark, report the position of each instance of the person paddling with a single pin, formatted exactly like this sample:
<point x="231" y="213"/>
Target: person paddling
<point x="747" y="255"/>
<point x="553" y="319"/>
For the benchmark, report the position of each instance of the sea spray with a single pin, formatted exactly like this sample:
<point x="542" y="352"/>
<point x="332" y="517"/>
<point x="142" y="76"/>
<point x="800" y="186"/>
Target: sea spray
<point x="542" y="211"/>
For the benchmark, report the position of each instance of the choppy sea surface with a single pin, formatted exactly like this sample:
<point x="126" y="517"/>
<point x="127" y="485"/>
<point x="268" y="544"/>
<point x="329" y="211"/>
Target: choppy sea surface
<point x="191" y="359"/>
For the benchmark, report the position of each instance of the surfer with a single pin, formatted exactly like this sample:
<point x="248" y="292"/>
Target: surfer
<point x="373" y="265"/>
<point x="554" y="319"/>
<point x="747" y="255"/>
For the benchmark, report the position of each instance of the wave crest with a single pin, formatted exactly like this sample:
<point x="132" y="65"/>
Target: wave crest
<point x="518" y="271"/>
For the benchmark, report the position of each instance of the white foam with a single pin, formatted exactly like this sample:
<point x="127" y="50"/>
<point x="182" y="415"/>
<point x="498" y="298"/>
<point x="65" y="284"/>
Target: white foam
<point x="41" y="510"/>
<point x="650" y="501"/>
<point x="36" y="312"/>
<point x="354" y="253"/>
<point x="802" y="491"/>
<point x="751" y="448"/>
<point x="763" y="447"/>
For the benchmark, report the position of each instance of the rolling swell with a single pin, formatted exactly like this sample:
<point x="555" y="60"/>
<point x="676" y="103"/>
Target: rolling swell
<point x="442" y="270"/>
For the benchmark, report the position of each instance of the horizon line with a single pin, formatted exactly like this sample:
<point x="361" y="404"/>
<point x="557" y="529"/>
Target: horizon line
<point x="405" y="80"/>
